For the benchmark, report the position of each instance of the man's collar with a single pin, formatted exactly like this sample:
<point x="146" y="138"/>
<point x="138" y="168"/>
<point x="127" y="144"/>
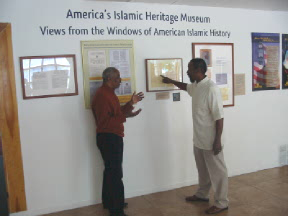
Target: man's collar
<point x="202" y="81"/>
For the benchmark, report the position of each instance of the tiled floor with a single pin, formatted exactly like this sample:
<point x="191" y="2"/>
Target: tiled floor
<point x="263" y="193"/>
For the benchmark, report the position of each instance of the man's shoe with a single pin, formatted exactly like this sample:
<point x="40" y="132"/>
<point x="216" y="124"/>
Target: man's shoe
<point x="118" y="214"/>
<point x="125" y="206"/>
<point x="194" y="198"/>
<point x="215" y="210"/>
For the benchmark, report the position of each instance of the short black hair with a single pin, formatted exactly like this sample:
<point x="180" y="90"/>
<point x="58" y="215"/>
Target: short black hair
<point x="199" y="63"/>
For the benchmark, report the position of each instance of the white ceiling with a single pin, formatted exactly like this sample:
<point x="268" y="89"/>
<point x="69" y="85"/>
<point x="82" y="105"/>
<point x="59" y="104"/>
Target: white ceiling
<point x="271" y="5"/>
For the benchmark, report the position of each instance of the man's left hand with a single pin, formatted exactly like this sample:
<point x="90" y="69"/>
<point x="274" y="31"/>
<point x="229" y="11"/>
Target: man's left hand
<point x="217" y="147"/>
<point x="136" y="98"/>
<point x="132" y="114"/>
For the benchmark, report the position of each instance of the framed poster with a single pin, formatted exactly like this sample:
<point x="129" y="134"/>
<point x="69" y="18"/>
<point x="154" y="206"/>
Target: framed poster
<point x="265" y="61"/>
<point x="284" y="61"/>
<point x="48" y="76"/>
<point x="169" y="67"/>
<point x="219" y="58"/>
<point x="98" y="55"/>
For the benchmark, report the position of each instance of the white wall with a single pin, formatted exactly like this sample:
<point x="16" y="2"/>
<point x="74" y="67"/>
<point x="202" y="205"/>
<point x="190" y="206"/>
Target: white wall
<point x="62" y="165"/>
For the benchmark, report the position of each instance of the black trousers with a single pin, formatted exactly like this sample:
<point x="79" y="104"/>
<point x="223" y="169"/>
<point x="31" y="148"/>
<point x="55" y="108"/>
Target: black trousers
<point x="111" y="148"/>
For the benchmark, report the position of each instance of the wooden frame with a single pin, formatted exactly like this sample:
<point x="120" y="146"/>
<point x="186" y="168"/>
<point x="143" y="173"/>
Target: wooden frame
<point x="220" y="63"/>
<point x="48" y="76"/>
<point x="9" y="125"/>
<point x="170" y="67"/>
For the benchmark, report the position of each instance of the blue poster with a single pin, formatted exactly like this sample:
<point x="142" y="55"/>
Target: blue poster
<point x="265" y="61"/>
<point x="284" y="61"/>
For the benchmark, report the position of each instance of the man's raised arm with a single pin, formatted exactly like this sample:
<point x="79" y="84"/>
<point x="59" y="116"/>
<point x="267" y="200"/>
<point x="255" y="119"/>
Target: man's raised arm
<point x="180" y="85"/>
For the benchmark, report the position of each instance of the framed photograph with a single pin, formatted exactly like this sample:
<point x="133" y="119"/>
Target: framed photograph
<point x="48" y="76"/>
<point x="169" y="67"/>
<point x="219" y="58"/>
<point x="206" y="54"/>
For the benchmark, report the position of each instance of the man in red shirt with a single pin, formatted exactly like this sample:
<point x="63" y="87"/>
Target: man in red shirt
<point x="109" y="117"/>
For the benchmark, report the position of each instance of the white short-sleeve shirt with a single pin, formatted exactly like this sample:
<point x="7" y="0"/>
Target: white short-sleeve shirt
<point x="207" y="107"/>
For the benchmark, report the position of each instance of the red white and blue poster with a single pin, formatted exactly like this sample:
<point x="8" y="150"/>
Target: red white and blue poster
<point x="265" y="61"/>
<point x="284" y="61"/>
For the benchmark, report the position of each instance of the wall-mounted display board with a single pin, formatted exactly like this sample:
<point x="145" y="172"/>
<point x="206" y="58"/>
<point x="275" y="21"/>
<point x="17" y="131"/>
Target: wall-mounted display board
<point x="169" y="67"/>
<point x="265" y="61"/>
<point x="98" y="55"/>
<point x="219" y="58"/>
<point x="48" y="76"/>
<point x="284" y="61"/>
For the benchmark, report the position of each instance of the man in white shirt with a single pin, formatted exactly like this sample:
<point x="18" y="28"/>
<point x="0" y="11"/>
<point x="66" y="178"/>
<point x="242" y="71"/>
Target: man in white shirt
<point x="207" y="112"/>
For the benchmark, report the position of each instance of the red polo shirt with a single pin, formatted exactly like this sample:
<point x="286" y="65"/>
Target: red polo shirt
<point x="108" y="113"/>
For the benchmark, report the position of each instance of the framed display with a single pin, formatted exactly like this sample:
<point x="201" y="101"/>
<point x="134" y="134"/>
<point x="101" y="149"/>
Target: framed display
<point x="284" y="61"/>
<point x="176" y="96"/>
<point x="219" y="58"/>
<point x="170" y="67"/>
<point x="48" y="76"/>
<point x="98" y="55"/>
<point x="265" y="61"/>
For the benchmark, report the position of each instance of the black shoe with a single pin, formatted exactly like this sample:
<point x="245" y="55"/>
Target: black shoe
<point x="125" y="206"/>
<point x="118" y="214"/>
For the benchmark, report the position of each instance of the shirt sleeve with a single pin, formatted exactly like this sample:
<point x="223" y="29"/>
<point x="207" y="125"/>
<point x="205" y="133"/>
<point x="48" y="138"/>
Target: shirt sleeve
<point x="126" y="108"/>
<point x="190" y="88"/>
<point x="215" y="103"/>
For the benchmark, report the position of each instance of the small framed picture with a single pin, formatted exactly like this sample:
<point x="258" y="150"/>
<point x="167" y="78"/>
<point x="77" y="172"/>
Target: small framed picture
<point x="206" y="54"/>
<point x="171" y="67"/>
<point x="176" y="96"/>
<point x="48" y="76"/>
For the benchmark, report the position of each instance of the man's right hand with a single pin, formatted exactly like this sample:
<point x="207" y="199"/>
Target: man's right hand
<point x="166" y="79"/>
<point x="180" y="85"/>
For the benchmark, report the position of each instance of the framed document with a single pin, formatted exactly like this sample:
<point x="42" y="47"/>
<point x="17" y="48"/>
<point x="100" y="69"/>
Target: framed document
<point x="219" y="58"/>
<point x="98" y="55"/>
<point x="48" y="76"/>
<point x="170" y="67"/>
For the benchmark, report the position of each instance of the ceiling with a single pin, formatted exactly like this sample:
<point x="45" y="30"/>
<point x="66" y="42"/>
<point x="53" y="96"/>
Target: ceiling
<point x="271" y="5"/>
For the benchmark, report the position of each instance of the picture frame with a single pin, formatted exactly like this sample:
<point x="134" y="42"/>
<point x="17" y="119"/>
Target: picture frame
<point x="176" y="96"/>
<point x="220" y="66"/>
<point x="169" y="67"/>
<point x="48" y="76"/>
<point x="100" y="54"/>
<point x="206" y="54"/>
<point x="265" y="71"/>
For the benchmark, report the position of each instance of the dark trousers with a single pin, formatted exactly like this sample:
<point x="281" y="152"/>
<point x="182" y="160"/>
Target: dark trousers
<point x="111" y="148"/>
